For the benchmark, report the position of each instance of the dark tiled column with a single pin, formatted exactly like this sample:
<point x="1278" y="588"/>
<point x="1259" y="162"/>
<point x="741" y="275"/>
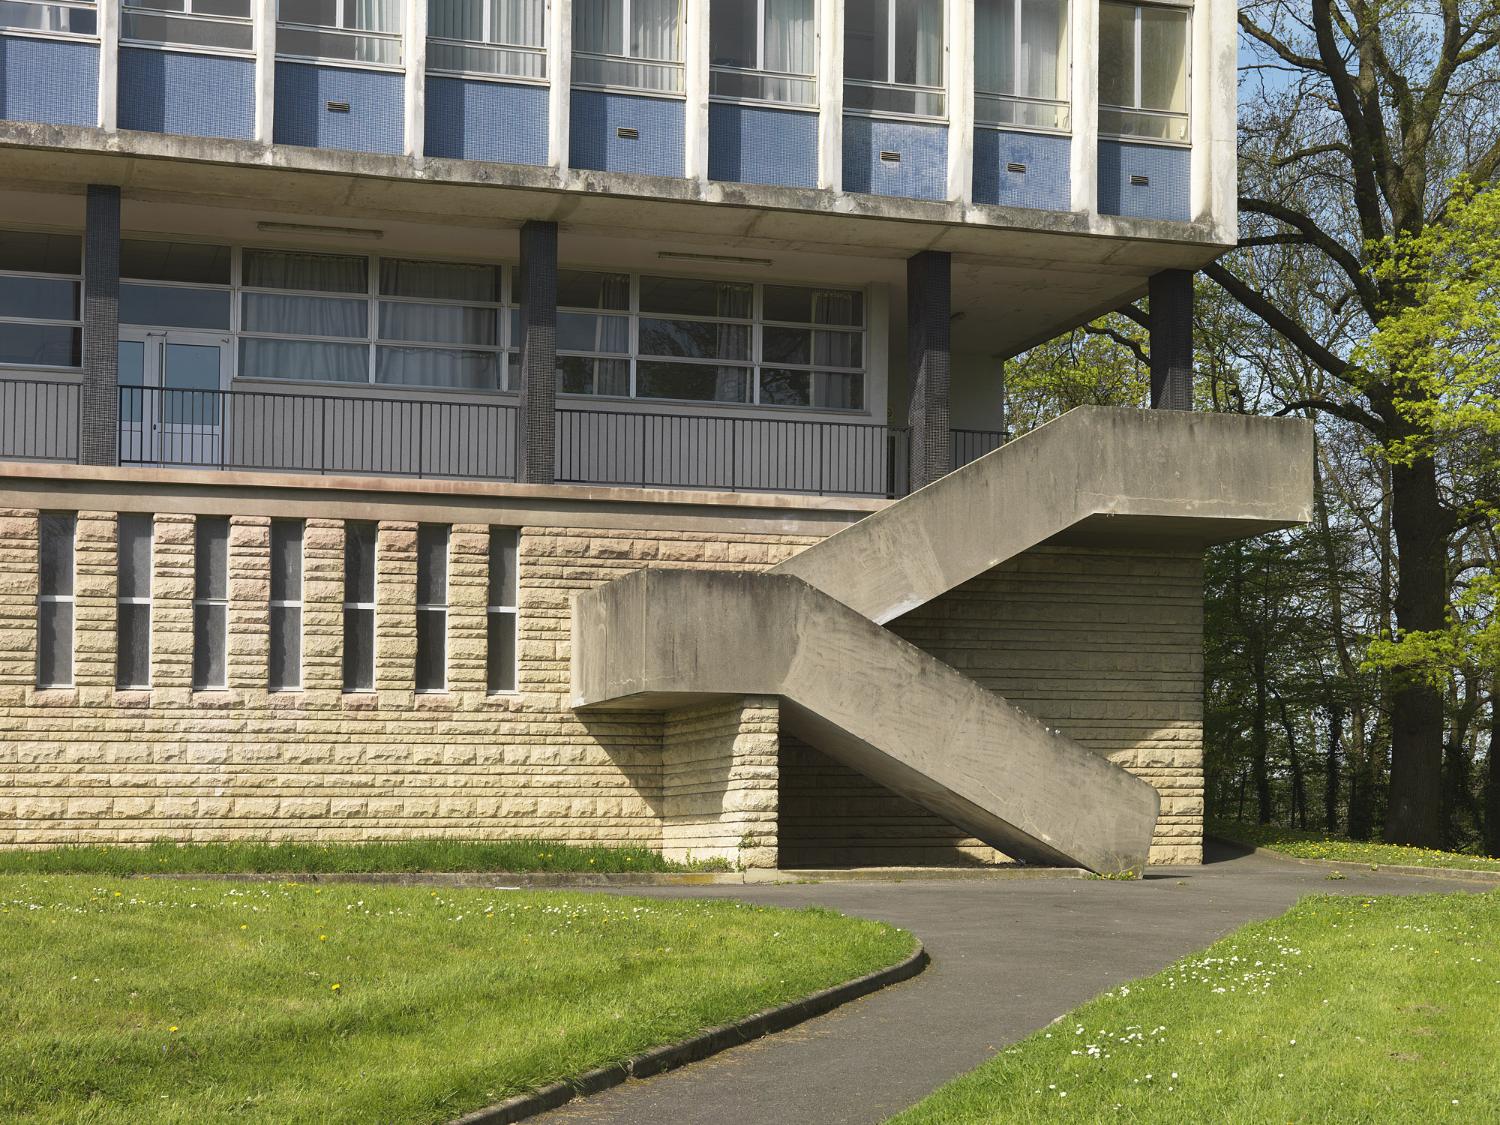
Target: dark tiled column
<point x="99" y="399"/>
<point x="1172" y="340"/>
<point x="536" y="434"/>
<point x="929" y="301"/>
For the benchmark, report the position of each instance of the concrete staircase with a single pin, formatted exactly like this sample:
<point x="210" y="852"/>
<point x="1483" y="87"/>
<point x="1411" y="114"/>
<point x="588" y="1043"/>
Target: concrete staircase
<point x="811" y="630"/>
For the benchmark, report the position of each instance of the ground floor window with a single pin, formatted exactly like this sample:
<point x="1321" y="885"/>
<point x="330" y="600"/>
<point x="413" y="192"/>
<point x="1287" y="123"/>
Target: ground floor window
<point x="55" y="566"/>
<point x="360" y="538"/>
<point x="501" y="609"/>
<point x="133" y="601"/>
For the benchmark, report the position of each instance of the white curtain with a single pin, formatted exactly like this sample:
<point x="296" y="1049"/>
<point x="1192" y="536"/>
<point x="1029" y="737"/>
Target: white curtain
<point x="929" y="42"/>
<point x="598" y="26"/>
<point x="320" y="273"/>
<point x="994" y="46"/>
<point x="456" y="19"/>
<point x="734" y="340"/>
<point x="437" y="367"/>
<point x="790" y="38"/>
<point x="653" y="29"/>
<point x="1043" y="63"/>
<point x="521" y="23"/>
<point x="375" y="15"/>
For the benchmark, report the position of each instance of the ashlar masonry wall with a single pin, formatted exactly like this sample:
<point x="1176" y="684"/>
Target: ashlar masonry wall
<point x="91" y="763"/>
<point x="1106" y="646"/>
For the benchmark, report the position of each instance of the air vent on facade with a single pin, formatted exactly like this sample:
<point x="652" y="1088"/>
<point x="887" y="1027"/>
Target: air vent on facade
<point x="891" y="157"/>
<point x="338" y="107"/>
<point x="1014" y="167"/>
<point x="628" y="134"/>
<point x="1140" y="181"/>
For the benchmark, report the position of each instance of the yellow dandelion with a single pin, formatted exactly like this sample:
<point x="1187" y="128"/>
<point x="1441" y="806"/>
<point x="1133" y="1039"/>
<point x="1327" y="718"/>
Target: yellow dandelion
<point x="172" y="1028"/>
<point x="244" y="927"/>
<point x="322" y="937"/>
<point x="334" y="987"/>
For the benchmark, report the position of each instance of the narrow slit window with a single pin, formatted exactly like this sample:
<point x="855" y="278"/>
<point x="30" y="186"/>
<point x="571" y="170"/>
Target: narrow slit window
<point x="432" y="607"/>
<point x="501" y="611"/>
<point x="211" y="604"/>
<point x="133" y="602"/>
<point x="359" y="605"/>
<point x="54" y="641"/>
<point x="285" y="672"/>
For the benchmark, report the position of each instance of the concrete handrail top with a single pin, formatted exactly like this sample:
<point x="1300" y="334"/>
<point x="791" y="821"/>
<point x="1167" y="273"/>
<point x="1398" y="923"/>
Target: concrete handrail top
<point x="1154" y="473"/>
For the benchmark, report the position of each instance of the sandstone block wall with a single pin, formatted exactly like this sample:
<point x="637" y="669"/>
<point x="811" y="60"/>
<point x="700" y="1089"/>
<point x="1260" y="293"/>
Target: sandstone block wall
<point x="94" y="764"/>
<point x="1106" y="646"/>
<point x="719" y="773"/>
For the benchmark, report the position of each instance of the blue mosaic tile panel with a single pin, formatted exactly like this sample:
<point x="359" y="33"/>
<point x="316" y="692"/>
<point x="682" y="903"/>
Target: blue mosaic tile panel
<point x="49" y="81"/>
<point x="1165" y="170"/>
<point x="1023" y="169"/>
<point x="195" y="95"/>
<point x="758" y="145"/>
<point x="503" y="122"/>
<point x="373" y="123"/>
<point x="921" y="172"/>
<point x="599" y="118"/>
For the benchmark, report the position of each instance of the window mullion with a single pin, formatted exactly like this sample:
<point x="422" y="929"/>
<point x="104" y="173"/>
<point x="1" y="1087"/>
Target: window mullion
<point x="1139" y="62"/>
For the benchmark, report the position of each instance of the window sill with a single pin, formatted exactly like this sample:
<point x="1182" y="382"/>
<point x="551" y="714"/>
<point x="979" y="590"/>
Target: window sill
<point x="632" y="91"/>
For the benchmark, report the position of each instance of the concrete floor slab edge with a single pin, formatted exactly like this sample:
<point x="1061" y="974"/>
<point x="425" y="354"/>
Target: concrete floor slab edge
<point x="659" y="1060"/>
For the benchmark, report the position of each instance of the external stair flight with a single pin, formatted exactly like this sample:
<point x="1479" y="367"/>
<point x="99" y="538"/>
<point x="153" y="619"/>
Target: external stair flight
<point x="811" y="631"/>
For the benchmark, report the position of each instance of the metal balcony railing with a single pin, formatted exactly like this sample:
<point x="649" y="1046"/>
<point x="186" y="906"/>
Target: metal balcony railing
<point x="456" y="439"/>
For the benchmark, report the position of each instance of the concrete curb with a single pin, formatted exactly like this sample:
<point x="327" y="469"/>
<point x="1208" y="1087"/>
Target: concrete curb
<point x="562" y="880"/>
<point x="700" y="1046"/>
<point x="1459" y="874"/>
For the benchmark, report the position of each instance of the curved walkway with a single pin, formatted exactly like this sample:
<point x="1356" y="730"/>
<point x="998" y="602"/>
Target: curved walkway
<point x="1007" y="958"/>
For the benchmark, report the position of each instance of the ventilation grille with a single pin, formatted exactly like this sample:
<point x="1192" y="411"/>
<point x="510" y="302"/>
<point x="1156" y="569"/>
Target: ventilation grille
<point x="628" y="134"/>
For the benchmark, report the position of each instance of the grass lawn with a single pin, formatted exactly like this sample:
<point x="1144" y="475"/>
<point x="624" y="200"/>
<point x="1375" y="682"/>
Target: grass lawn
<point x="1342" y="1010"/>
<point x="148" y="1001"/>
<point x="1307" y="844"/>
<point x="318" y="859"/>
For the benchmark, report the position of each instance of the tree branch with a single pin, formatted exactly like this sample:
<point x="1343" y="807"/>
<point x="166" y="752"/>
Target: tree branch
<point x="1321" y="240"/>
<point x="1347" y="411"/>
<point x="1120" y="338"/>
<point x="1294" y="333"/>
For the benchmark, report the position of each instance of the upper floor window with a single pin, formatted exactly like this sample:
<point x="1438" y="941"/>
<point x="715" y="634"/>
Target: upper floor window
<point x="367" y="31"/>
<point x="219" y="24"/>
<point x="1143" y="72"/>
<point x="764" y="50"/>
<point x="77" y="18"/>
<point x="314" y="317"/>
<point x="494" y="38"/>
<point x="893" y="57"/>
<point x="40" y="279"/>
<point x="1021" y="63"/>
<point x="710" y="341"/>
<point x="174" y="285"/>
<point x="635" y="44"/>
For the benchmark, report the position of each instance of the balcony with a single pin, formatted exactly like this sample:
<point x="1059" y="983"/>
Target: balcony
<point x="455" y="439"/>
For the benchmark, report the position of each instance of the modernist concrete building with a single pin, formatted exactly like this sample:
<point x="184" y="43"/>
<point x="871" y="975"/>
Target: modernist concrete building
<point x="352" y="350"/>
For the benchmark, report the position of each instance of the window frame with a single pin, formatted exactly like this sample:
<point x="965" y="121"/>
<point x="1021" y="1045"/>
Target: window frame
<point x="273" y="603"/>
<point x="135" y="600"/>
<point x="1186" y="116"/>
<point x="340" y="30"/>
<point x="49" y="33"/>
<point x="676" y="67"/>
<point x="435" y="609"/>
<point x="76" y="323"/>
<point x="222" y="630"/>
<point x="760" y="70"/>
<point x="493" y="611"/>
<point x="756" y="366"/>
<point x="187" y="15"/>
<point x="1062" y="104"/>
<point x="69" y="599"/>
<point x="372" y="607"/>
<point x="491" y="17"/>
<point x="940" y="91"/>
<point x="505" y="349"/>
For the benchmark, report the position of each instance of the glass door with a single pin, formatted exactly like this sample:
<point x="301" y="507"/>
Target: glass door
<point x="172" y="407"/>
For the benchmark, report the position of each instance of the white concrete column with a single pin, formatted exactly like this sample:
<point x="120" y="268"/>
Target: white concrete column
<point x="414" y="55"/>
<point x="1212" y="95"/>
<point x="831" y="95"/>
<point x="264" y="14"/>
<point x="560" y="81"/>
<point x="695" y="59"/>
<point x="109" y="64"/>
<point x="1084" y="44"/>
<point x="960" y="57"/>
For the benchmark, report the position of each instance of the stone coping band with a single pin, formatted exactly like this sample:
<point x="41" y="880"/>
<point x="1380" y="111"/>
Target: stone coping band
<point x="700" y="1046"/>
<point x="539" y="880"/>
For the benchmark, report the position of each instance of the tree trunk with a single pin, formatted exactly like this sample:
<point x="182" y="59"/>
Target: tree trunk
<point x="1331" y="769"/>
<point x="1492" y="784"/>
<point x="1294" y="760"/>
<point x="1421" y="526"/>
<point x="1259" y="742"/>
